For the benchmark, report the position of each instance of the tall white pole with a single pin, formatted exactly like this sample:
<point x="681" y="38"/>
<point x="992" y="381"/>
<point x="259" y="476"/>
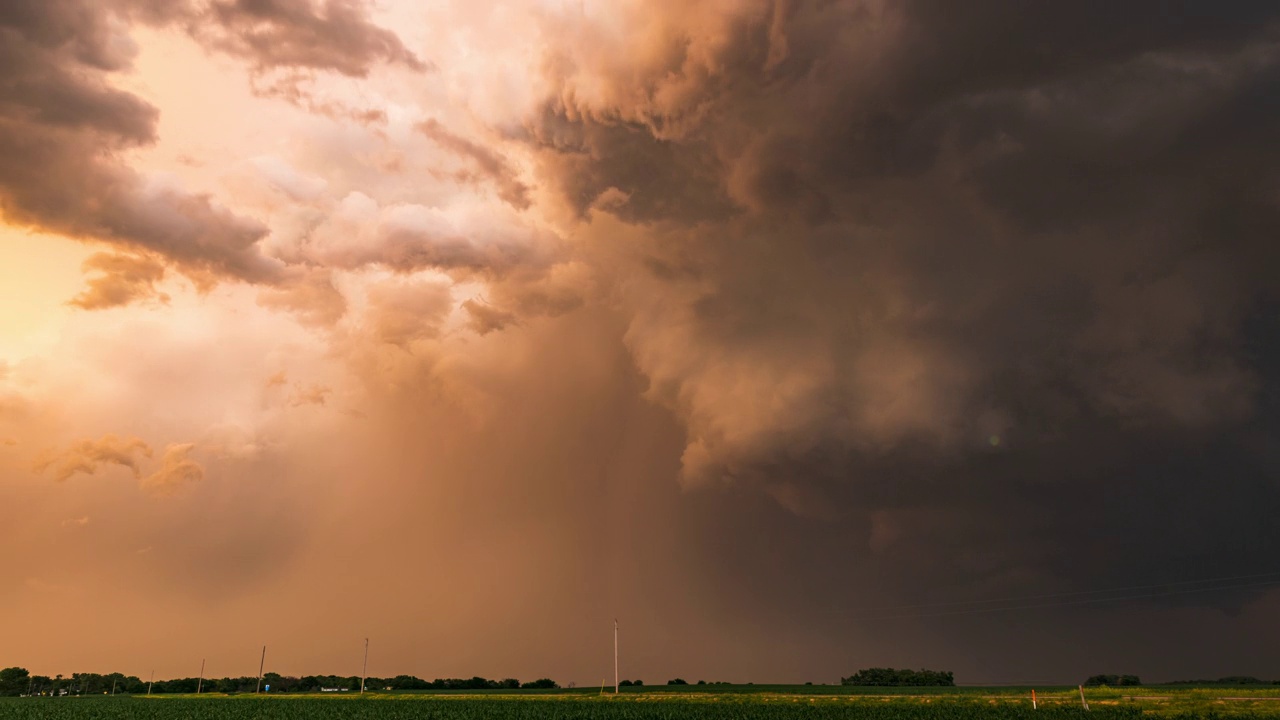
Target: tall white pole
<point x="364" y="672"/>
<point x="615" y="656"/>
<point x="261" y="663"/>
<point x="151" y="682"/>
<point x="200" y="682"/>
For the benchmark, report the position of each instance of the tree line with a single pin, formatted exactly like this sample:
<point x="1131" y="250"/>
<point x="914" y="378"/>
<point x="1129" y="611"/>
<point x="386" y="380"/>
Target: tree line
<point x="890" y="677"/>
<point x="17" y="681"/>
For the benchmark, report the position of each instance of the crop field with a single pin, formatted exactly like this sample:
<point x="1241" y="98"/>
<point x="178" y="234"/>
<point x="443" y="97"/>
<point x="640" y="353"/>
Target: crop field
<point x="744" y="703"/>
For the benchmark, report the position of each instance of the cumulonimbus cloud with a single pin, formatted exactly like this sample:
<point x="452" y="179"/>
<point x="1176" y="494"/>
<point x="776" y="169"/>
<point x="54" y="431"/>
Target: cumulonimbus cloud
<point x="909" y="250"/>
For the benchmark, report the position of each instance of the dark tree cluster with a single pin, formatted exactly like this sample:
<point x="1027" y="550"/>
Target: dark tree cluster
<point x="890" y="677"/>
<point x="631" y="683"/>
<point x="14" y="681"/>
<point x="1113" y="680"/>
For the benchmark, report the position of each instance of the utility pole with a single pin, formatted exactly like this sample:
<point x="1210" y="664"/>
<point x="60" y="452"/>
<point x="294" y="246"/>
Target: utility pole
<point x="200" y="682"/>
<point x="260" y="664"/>
<point x="364" y="671"/>
<point x="615" y="656"/>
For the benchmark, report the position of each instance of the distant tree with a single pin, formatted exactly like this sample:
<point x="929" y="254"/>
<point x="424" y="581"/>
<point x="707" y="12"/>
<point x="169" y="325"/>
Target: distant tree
<point x="624" y="683"/>
<point x="890" y="677"/>
<point x="702" y="682"/>
<point x="1240" y="680"/>
<point x="677" y="681"/>
<point x="541" y="684"/>
<point x="408" y="682"/>
<point x="1113" y="680"/>
<point x="41" y="684"/>
<point x="14" y="681"/>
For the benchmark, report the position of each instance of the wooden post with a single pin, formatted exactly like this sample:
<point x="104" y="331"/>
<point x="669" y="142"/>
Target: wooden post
<point x="1033" y="698"/>
<point x="151" y="682"/>
<point x="200" y="682"/>
<point x="1083" y="702"/>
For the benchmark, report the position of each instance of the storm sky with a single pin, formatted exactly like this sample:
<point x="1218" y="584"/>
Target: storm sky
<point x="800" y="337"/>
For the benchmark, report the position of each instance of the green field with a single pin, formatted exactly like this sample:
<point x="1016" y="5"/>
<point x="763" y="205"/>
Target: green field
<point x="756" y="702"/>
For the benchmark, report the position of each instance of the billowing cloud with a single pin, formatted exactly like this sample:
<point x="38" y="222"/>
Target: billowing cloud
<point x="906" y="252"/>
<point x="62" y="129"/>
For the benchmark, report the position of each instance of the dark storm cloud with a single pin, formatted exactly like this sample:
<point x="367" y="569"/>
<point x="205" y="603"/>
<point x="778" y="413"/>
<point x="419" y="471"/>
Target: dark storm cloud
<point x="922" y="270"/>
<point x="62" y="127"/>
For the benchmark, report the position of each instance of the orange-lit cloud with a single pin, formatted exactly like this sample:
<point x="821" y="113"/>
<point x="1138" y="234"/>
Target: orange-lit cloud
<point x="89" y="456"/>
<point x="176" y="469"/>
<point x="122" y="279"/>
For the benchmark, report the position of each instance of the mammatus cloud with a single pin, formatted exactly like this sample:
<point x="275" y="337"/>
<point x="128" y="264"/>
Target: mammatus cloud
<point x="89" y="456"/>
<point x="122" y="279"/>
